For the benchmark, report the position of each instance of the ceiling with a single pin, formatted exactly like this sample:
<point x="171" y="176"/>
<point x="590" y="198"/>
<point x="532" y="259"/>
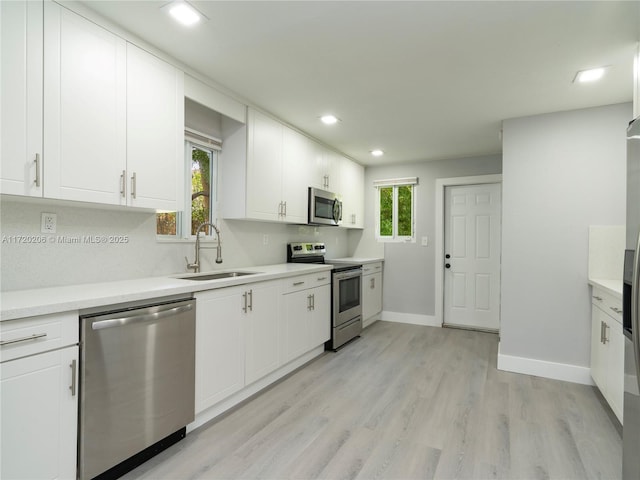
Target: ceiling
<point x="422" y="80"/>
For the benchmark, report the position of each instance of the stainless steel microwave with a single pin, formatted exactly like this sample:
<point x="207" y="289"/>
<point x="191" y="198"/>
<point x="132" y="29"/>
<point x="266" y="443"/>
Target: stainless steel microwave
<point x="325" y="208"/>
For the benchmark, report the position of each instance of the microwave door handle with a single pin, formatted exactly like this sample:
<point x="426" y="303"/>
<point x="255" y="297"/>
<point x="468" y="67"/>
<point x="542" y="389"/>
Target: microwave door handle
<point x="337" y="210"/>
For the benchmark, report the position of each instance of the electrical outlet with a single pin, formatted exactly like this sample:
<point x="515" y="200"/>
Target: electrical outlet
<point x="425" y="241"/>
<point x="265" y="239"/>
<point x="48" y="223"/>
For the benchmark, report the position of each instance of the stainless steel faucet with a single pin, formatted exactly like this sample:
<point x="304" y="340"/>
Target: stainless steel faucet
<point x="196" y="264"/>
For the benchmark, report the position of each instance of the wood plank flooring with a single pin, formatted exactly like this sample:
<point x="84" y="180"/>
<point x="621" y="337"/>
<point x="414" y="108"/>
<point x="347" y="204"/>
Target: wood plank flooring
<point x="404" y="402"/>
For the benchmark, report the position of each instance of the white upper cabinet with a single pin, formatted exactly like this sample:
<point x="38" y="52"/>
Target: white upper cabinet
<point x="21" y="93"/>
<point x="350" y="186"/>
<point x="264" y="168"/>
<point x="85" y="95"/>
<point x="155" y="132"/>
<point x="271" y="181"/>
<point x="297" y="156"/>
<point x="109" y="116"/>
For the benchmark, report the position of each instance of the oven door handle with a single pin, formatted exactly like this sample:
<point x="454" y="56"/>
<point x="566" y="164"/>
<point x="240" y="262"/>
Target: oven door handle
<point x="347" y="274"/>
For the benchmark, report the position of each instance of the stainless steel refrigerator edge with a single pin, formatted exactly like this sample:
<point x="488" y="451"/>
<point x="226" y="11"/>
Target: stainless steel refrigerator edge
<point x="631" y="284"/>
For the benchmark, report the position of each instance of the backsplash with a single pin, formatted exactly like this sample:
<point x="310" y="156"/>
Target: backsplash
<point x="96" y="245"/>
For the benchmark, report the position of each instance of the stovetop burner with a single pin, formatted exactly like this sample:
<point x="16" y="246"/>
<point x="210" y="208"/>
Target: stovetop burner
<point x="314" y="252"/>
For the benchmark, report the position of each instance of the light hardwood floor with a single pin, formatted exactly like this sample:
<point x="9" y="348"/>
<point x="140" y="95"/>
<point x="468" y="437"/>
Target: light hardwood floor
<point x="404" y="402"/>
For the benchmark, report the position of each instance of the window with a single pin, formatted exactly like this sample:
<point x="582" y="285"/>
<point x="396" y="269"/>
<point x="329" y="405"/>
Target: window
<point x="395" y="210"/>
<point x="200" y="174"/>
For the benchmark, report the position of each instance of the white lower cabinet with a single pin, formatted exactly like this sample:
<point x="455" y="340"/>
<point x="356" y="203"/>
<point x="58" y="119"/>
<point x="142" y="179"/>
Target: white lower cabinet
<point x="371" y="292"/>
<point x="607" y="349"/>
<point x="245" y="336"/>
<point x="39" y="401"/>
<point x="262" y="313"/>
<point x="220" y="346"/>
<point x="306" y="320"/>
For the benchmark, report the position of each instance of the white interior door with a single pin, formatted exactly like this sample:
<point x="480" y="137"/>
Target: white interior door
<point x="472" y="232"/>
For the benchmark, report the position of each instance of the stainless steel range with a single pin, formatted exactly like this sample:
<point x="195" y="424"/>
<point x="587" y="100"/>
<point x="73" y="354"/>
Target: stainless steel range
<point x="346" y="291"/>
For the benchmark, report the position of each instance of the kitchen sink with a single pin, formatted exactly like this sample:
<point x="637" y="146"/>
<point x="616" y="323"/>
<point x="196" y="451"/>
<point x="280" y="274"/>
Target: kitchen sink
<point x="216" y="276"/>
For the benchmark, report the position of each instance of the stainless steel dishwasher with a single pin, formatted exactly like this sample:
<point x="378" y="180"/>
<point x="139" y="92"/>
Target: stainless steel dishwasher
<point x="137" y="383"/>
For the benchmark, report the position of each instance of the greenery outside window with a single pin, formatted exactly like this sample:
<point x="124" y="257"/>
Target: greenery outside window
<point x="395" y="210"/>
<point x="200" y="174"/>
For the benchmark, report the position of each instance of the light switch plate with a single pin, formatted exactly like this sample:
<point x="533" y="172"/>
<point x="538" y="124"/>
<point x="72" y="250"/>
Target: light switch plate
<point x="425" y="241"/>
<point x="48" y="223"/>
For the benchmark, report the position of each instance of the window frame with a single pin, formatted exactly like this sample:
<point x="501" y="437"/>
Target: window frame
<point x="183" y="221"/>
<point x="395" y="237"/>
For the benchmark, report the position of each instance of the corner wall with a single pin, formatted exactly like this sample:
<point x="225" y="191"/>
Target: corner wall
<point x="561" y="173"/>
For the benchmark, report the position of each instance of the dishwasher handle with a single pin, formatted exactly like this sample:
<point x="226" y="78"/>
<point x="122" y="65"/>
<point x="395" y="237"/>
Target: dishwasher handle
<point x="141" y="318"/>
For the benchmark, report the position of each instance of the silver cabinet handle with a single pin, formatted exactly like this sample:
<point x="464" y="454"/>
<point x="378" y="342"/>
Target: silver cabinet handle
<point x="308" y="302"/>
<point x="37" y="162"/>
<point x="295" y="284"/>
<point x="378" y="267"/>
<point x="321" y="279"/>
<point x="35" y="336"/>
<point x="72" y="387"/>
<point x="605" y="338"/>
<point x="123" y="184"/>
<point x="145" y="317"/>
<point x="313" y="301"/>
<point x="373" y="283"/>
<point x="601" y="331"/>
<point x="617" y="310"/>
<point x="244" y="302"/>
<point x="133" y="185"/>
<point x="251" y="300"/>
<point x="597" y="298"/>
<point x="280" y="209"/>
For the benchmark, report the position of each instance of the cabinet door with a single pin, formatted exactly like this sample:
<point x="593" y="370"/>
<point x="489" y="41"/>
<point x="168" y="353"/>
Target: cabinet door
<point x="219" y="346"/>
<point x="264" y="167"/>
<point x="371" y="295"/>
<point x="155" y="132"/>
<point x="39" y="415"/>
<point x="295" y="333"/>
<point x="615" y="366"/>
<point x="351" y="188"/>
<point x="262" y="342"/>
<point x="320" y="326"/>
<point x="21" y="93"/>
<point x="297" y="158"/>
<point x="84" y="109"/>
<point x="319" y="166"/>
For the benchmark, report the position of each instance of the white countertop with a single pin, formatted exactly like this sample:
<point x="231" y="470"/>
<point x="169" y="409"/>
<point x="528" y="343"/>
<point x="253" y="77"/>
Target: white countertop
<point x="356" y="260"/>
<point x="614" y="287"/>
<point x="43" y="301"/>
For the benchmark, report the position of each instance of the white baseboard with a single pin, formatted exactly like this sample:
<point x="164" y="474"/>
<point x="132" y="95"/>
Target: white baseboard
<point x="412" y="318"/>
<point x="545" y="369"/>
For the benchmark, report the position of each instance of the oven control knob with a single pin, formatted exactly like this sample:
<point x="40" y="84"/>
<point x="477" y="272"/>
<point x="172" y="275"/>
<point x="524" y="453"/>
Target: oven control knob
<point x="447" y="256"/>
<point x="447" y="265"/>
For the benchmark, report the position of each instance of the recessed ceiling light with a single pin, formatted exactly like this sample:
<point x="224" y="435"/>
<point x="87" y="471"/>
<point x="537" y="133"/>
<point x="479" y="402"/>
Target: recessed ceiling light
<point x="591" y="75"/>
<point x="329" y="119"/>
<point x="183" y="13"/>
<point x="377" y="152"/>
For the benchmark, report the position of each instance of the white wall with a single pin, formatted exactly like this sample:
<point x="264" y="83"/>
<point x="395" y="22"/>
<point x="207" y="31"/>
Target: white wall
<point x="41" y="265"/>
<point x="409" y="283"/>
<point x="561" y="173"/>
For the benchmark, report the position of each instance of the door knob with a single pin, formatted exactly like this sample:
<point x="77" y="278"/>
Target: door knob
<point x="447" y="265"/>
<point x="447" y="256"/>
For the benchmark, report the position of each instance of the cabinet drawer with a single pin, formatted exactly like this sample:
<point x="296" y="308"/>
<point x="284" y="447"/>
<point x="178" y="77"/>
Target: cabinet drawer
<point x="610" y="304"/>
<point x="370" y="268"/>
<point x="302" y="282"/>
<point x="28" y="336"/>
